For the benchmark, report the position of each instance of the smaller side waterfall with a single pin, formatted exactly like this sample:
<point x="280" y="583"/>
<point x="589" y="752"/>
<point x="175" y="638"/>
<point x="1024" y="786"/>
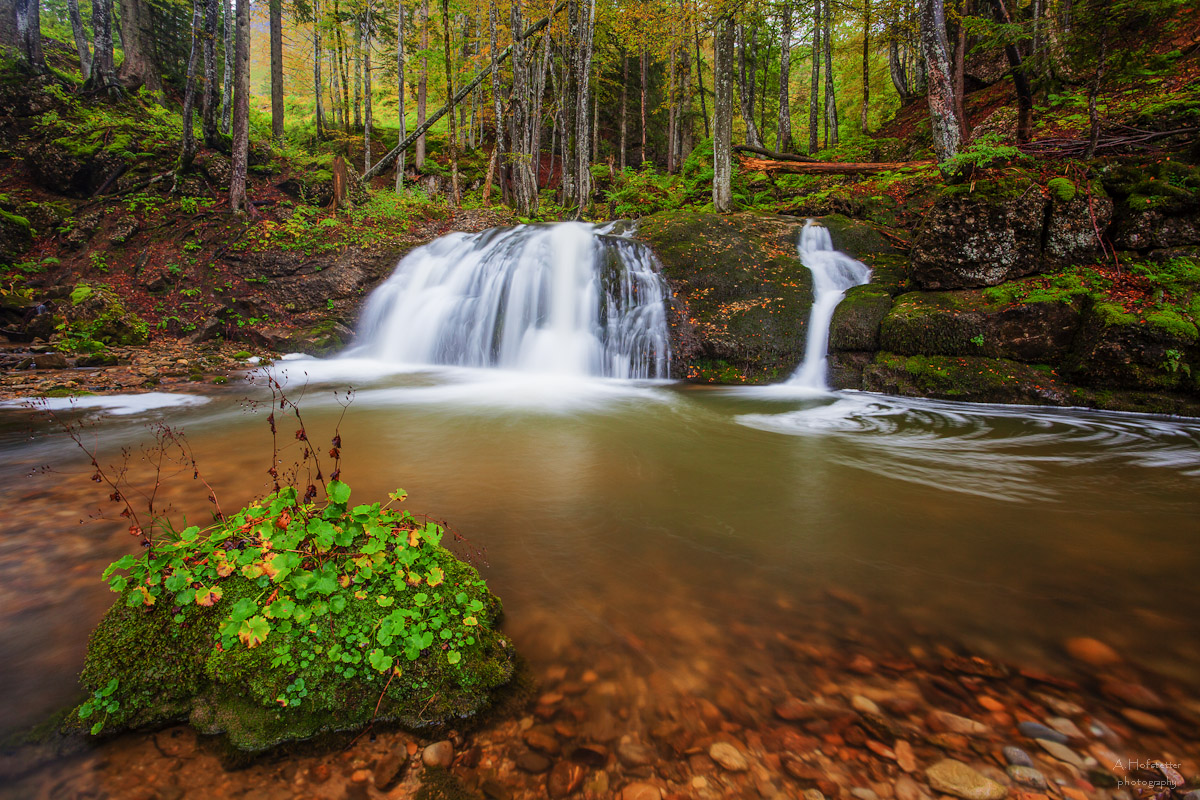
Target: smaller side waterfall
<point x="833" y="272"/>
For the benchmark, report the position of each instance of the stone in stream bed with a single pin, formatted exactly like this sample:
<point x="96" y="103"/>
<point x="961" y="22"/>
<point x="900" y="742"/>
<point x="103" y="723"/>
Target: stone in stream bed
<point x="1028" y="777"/>
<point x="1091" y="651"/>
<point x="728" y="757"/>
<point x="956" y="778"/>
<point x="1036" y="730"/>
<point x="1061" y="752"/>
<point x="1017" y="757"/>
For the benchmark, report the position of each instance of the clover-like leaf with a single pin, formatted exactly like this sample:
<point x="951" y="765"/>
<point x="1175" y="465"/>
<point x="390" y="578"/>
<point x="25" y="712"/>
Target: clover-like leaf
<point x="253" y="631"/>
<point x="243" y="609"/>
<point x="209" y="596"/>
<point x="338" y="492"/>
<point x="453" y="657"/>
<point x="281" y="608"/>
<point x="379" y="660"/>
<point x="435" y="576"/>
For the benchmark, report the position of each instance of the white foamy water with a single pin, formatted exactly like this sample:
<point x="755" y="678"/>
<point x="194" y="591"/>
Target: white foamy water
<point x="833" y="272"/>
<point x="119" y="404"/>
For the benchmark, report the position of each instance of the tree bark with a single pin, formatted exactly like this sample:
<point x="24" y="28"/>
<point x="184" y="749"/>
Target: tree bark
<point x="1020" y="81"/>
<point x="29" y="33"/>
<point x="814" y="96"/>
<point x="227" y="81"/>
<point x="498" y="152"/>
<point x="276" y="24"/>
<point x="723" y="115"/>
<point x="358" y="76"/>
<point x="783" y="136"/>
<point x="188" y="148"/>
<point x="450" y="94"/>
<point x="241" y="110"/>
<point x="644" y="59"/>
<point x="624" y="108"/>
<point x="898" y="73"/>
<point x="318" y="87"/>
<point x="400" y="91"/>
<point x="959" y="65"/>
<point x="831" y="115"/>
<point x="209" y="101"/>
<point x="342" y="58"/>
<point x="368" y="104"/>
<point x="746" y="91"/>
<point x="422" y="84"/>
<point x="103" y="78"/>
<point x="866" y="65"/>
<point x="140" y="68"/>
<point x="81" y="42"/>
<point x="700" y="84"/>
<point x="947" y="131"/>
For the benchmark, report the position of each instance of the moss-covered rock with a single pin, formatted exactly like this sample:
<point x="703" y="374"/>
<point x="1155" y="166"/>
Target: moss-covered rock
<point x="95" y="313"/>
<point x="16" y="237"/>
<point x="1074" y="227"/>
<point x="980" y="234"/>
<point x="741" y="297"/>
<point x="1117" y="349"/>
<point x="292" y="620"/>
<point x="973" y="379"/>
<point x="968" y="323"/>
<point x="856" y="320"/>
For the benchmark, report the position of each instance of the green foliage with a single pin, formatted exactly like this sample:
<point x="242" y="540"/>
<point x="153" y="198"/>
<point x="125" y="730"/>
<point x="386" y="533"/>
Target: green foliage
<point x="307" y="611"/>
<point x="986" y="151"/>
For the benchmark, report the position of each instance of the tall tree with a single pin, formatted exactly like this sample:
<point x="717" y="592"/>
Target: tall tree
<point x="81" y="42"/>
<point x="814" y="96"/>
<point x="400" y="90"/>
<point x="644" y="64"/>
<point x="866" y="65"/>
<point x="723" y="115"/>
<point x="1020" y="80"/>
<point x="831" y="115"/>
<point x="783" y="138"/>
<point x="227" y="79"/>
<point x="188" y="149"/>
<point x="138" y="39"/>
<point x="241" y="110"/>
<point x="29" y="35"/>
<point x="103" y="79"/>
<point x="454" y="197"/>
<point x="368" y="104"/>
<point x="276" y="25"/>
<point x="947" y="132"/>
<point x="209" y="100"/>
<point x="746" y="90"/>
<point x="700" y="83"/>
<point x="422" y="83"/>
<point x="318" y="87"/>
<point x="624" y="108"/>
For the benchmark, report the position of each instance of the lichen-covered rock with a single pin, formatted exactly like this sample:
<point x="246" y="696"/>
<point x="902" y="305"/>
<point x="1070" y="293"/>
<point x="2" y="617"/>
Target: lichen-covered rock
<point x="1157" y="229"/>
<point x="966" y="323"/>
<point x="981" y="236"/>
<point x="973" y="379"/>
<point x="741" y="297"/>
<point x="1074" y="228"/>
<point x="1119" y="350"/>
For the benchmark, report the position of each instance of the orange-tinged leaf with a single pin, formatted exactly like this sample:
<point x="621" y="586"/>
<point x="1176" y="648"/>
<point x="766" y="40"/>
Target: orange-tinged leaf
<point x="254" y="631"/>
<point x="209" y="596"/>
<point x="414" y="538"/>
<point x="254" y="570"/>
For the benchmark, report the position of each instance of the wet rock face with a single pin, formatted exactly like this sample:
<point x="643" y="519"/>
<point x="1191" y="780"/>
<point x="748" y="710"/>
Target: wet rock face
<point x="970" y="239"/>
<point x="1073" y="230"/>
<point x="1156" y="229"/>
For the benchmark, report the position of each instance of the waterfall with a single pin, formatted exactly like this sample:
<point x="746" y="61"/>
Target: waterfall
<point x="567" y="298"/>
<point x="833" y="272"/>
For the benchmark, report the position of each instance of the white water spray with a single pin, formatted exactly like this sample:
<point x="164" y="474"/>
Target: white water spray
<point x="565" y="299"/>
<point x="833" y="272"/>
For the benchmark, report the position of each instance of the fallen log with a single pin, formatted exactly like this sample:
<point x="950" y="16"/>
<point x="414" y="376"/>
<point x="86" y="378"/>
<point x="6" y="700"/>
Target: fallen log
<point x="745" y="148"/>
<point x="827" y="167"/>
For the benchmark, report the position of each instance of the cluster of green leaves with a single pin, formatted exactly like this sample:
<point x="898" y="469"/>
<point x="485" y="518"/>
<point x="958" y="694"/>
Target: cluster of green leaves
<point x="101" y="700"/>
<point x="330" y="592"/>
<point x="984" y="152"/>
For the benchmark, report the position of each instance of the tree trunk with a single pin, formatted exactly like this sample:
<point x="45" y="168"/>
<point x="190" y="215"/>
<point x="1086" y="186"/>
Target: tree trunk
<point x="358" y="76"/>
<point x="523" y="180"/>
<point x="700" y="84"/>
<point x="746" y="90"/>
<point x="831" y="115"/>
<point x="209" y="101"/>
<point x="400" y="91"/>
<point x="783" y="136"/>
<point x="960" y="71"/>
<point x="137" y="37"/>
<point x="671" y="110"/>
<point x="368" y="105"/>
<point x="624" y="107"/>
<point x="318" y="88"/>
<point x="1094" y="91"/>
<point x="227" y="82"/>
<point x="897" y="72"/>
<point x="866" y="65"/>
<point x="342" y="62"/>
<point x="498" y="152"/>
<point x="188" y="149"/>
<point x="241" y="110"/>
<point x="1020" y="81"/>
<point x="814" y="96"/>
<point x="723" y="115"/>
<point x="29" y="34"/>
<point x="947" y="131"/>
<point x="683" y="117"/>
<point x="450" y="94"/>
<point x="644" y="59"/>
<point x="81" y="42"/>
<point x="103" y="78"/>
<point x="276" y="13"/>
<point x="422" y="84"/>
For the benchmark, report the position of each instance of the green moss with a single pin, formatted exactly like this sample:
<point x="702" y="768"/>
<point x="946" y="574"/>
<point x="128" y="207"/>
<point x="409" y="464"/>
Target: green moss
<point x="974" y="379"/>
<point x="19" y="221"/>
<point x="318" y="619"/>
<point x="1111" y="314"/>
<point x="1062" y="189"/>
<point x="1169" y="321"/>
<point x="80" y="293"/>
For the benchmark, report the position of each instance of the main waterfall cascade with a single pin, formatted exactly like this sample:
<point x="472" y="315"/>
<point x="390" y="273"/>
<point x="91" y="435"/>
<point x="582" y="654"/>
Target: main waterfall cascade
<point x="833" y="272"/>
<point x="568" y="298"/>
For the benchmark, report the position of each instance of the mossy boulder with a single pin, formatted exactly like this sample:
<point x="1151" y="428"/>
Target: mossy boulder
<point x="980" y="234"/>
<point x="16" y="237"/>
<point x="967" y="323"/>
<point x="1075" y="225"/>
<point x="1158" y="205"/>
<point x="294" y="619"/>
<point x="1155" y="351"/>
<point x="741" y="297"/>
<point x="857" y="319"/>
<point x="95" y="313"/>
<point x="973" y="379"/>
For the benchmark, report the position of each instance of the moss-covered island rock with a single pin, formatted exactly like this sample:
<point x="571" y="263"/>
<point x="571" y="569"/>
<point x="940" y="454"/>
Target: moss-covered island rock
<point x="292" y="619"/>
